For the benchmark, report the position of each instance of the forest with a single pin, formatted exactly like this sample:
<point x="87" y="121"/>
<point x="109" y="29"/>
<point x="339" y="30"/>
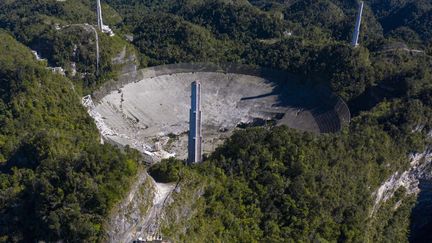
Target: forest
<point x="58" y="182"/>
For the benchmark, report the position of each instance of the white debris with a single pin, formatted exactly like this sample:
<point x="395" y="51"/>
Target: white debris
<point x="100" y="124"/>
<point x="74" y="51"/>
<point x="107" y="30"/>
<point x="73" y="68"/>
<point x="287" y="33"/>
<point x="58" y="70"/>
<point x="418" y="128"/>
<point x="111" y="134"/>
<point x="129" y="37"/>
<point x="38" y="58"/>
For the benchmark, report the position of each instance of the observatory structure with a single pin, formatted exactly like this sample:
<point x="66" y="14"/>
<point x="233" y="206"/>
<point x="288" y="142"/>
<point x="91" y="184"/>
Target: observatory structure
<point x="99" y="15"/>
<point x="356" y="34"/>
<point x="159" y="111"/>
<point x="103" y="28"/>
<point x="195" y="125"/>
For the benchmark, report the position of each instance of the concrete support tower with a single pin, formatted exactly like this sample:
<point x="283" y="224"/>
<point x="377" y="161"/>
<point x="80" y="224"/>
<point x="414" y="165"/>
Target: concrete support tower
<point x="356" y="34"/>
<point x="195" y="126"/>
<point x="99" y="15"/>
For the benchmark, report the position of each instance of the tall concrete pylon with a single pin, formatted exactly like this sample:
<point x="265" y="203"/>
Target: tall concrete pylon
<point x="195" y="125"/>
<point x="99" y="15"/>
<point x="356" y="34"/>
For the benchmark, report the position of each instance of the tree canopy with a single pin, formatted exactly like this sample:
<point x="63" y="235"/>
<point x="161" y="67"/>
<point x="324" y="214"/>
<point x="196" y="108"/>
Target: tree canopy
<point x="57" y="182"/>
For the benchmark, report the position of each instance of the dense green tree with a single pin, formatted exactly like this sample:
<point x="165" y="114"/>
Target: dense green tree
<point x="57" y="182"/>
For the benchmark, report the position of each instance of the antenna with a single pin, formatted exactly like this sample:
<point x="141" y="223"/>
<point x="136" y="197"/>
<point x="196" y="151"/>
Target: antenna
<point x="356" y="34"/>
<point x="99" y="15"/>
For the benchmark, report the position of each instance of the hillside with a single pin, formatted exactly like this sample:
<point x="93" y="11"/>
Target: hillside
<point x="58" y="182"/>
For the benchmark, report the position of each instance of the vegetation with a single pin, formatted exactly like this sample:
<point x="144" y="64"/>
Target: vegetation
<point x="58" y="183"/>
<point x="280" y="185"/>
<point x="166" y="172"/>
<point x="58" y="32"/>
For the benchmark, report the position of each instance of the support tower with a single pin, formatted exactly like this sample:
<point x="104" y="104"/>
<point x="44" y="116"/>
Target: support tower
<point x="195" y="126"/>
<point x="356" y="34"/>
<point x="99" y="15"/>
